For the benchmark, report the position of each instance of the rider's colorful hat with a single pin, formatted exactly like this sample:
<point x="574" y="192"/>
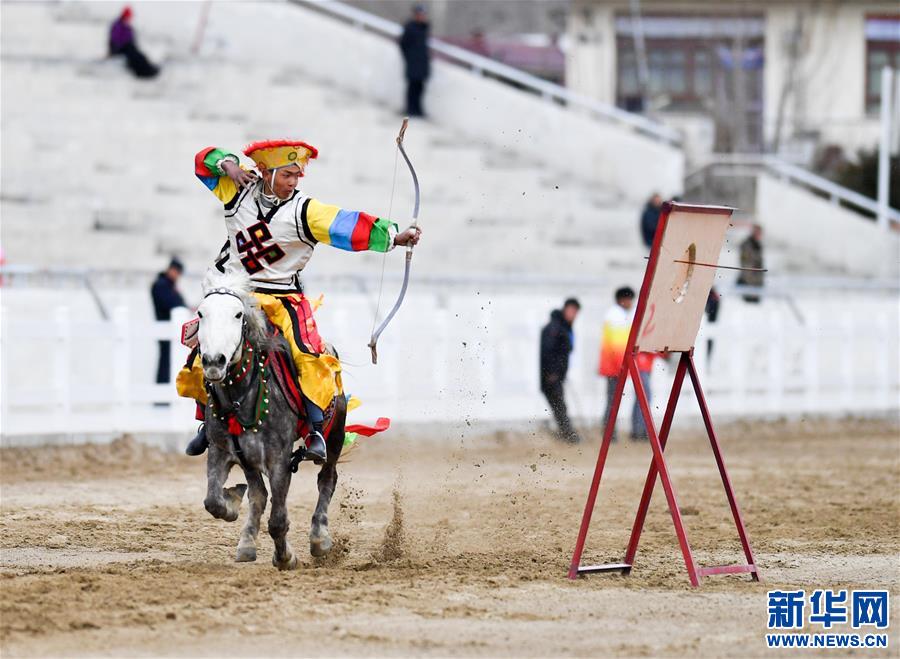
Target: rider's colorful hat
<point x="281" y="153"/>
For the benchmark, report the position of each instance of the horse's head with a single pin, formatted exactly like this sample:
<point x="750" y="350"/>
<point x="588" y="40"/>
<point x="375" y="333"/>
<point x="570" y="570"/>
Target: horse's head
<point x="227" y="316"/>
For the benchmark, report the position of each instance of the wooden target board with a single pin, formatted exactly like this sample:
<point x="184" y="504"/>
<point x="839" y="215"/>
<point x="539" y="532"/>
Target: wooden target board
<point x="679" y="287"/>
<point x="680" y="272"/>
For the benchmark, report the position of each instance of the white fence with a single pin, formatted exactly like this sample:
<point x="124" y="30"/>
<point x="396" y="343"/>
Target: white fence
<point x="455" y="357"/>
<point x="68" y="376"/>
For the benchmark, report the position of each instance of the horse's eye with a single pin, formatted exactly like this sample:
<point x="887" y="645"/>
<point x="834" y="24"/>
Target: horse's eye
<point x="199" y="315"/>
<point x="239" y="314"/>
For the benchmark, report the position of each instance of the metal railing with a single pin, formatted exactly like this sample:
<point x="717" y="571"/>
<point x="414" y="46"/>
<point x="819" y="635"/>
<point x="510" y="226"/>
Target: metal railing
<point x="837" y="194"/>
<point x="752" y="163"/>
<point x="96" y="280"/>
<point x="481" y="65"/>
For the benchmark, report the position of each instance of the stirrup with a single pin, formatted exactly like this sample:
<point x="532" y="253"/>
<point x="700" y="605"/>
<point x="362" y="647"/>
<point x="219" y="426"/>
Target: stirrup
<point x="303" y="453"/>
<point x="297" y="457"/>
<point x="316" y="449"/>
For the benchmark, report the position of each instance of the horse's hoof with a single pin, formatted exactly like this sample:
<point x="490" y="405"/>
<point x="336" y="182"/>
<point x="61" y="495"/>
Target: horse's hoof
<point x="233" y="497"/>
<point x="320" y="545"/>
<point x="245" y="554"/>
<point x="237" y="492"/>
<point x="289" y="564"/>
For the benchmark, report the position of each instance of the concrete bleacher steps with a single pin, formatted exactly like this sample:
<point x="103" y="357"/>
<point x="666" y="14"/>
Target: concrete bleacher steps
<point x="98" y="166"/>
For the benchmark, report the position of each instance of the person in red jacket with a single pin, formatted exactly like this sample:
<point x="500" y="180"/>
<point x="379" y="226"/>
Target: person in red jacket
<point x="616" y="326"/>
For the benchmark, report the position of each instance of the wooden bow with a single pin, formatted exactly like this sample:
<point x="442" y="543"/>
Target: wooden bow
<point x="373" y="342"/>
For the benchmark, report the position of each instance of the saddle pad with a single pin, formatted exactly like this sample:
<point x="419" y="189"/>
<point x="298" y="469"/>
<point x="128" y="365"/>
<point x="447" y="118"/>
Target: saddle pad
<point x="286" y="376"/>
<point x="190" y="333"/>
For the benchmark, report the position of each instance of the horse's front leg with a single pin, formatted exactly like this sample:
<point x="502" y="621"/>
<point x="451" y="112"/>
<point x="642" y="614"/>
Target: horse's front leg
<point x="280" y="481"/>
<point x="220" y="502"/>
<point x="320" y="541"/>
<point x="246" y="549"/>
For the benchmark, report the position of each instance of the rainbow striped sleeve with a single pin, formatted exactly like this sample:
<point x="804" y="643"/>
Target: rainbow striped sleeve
<point x="353" y="231"/>
<point x="616" y="328"/>
<point x="612" y="349"/>
<point x="212" y="177"/>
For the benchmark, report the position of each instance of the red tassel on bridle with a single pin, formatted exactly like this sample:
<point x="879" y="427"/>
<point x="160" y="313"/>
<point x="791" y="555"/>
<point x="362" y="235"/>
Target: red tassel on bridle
<point x="234" y="428"/>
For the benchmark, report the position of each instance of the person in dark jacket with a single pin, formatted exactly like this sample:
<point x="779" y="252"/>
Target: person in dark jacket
<point x="752" y="257"/>
<point x="650" y="218"/>
<point x="122" y="42"/>
<point x="557" y="341"/>
<point x="165" y="298"/>
<point x="713" y="302"/>
<point x="414" y="46"/>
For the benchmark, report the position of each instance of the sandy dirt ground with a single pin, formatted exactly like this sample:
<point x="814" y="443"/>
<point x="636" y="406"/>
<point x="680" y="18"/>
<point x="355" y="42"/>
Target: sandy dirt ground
<point x="444" y="547"/>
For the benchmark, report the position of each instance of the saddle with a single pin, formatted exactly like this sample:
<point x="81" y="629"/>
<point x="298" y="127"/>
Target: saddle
<point x="285" y="371"/>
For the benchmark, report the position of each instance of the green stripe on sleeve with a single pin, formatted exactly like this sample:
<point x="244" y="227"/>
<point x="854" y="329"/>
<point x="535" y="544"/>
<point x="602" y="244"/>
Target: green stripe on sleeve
<point x="380" y="236"/>
<point x="215" y="156"/>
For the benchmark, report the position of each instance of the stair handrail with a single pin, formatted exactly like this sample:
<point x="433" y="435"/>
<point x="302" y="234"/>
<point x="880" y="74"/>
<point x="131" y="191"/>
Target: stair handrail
<point x="481" y="65"/>
<point x="793" y="173"/>
<point x="835" y="192"/>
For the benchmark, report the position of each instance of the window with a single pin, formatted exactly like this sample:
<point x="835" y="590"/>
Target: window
<point x="684" y="60"/>
<point x="628" y="74"/>
<point x="703" y="73"/>
<point x="668" y="72"/>
<point x="882" y="49"/>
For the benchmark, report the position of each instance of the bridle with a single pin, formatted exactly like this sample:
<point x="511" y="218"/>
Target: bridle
<point x="221" y="290"/>
<point x="245" y="378"/>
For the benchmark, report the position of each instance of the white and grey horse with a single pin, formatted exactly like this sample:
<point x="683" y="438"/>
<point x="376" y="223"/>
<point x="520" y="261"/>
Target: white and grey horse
<point x="245" y="398"/>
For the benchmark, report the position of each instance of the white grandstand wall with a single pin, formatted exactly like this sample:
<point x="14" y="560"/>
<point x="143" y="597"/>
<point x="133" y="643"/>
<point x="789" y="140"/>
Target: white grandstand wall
<point x="824" y="231"/>
<point x="479" y="109"/>
<point x="450" y="358"/>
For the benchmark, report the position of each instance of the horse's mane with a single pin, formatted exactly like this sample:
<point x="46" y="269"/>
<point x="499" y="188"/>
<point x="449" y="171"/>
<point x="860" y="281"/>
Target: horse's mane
<point x="238" y="281"/>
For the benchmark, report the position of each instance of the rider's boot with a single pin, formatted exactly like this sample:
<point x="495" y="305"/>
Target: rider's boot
<point x="315" y="446"/>
<point x="199" y="444"/>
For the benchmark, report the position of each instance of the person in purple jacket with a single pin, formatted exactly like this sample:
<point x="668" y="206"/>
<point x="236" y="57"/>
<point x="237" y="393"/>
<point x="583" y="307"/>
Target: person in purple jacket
<point x="122" y="42"/>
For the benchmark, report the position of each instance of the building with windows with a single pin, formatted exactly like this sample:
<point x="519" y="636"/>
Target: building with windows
<point x="784" y="76"/>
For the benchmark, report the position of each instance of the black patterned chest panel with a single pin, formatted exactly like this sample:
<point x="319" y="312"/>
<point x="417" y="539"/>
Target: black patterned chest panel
<point x="255" y="245"/>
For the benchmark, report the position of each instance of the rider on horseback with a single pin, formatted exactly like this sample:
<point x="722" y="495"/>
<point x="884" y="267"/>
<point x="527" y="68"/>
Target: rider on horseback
<point x="272" y="230"/>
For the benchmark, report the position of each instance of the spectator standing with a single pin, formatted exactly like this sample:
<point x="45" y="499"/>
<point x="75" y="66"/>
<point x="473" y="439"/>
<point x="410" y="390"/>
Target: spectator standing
<point x="650" y="218"/>
<point x="616" y="327"/>
<point x="414" y="46"/>
<point x="165" y="298"/>
<point x="122" y="41"/>
<point x="557" y="341"/>
<point x="713" y="301"/>
<point x="752" y="257"/>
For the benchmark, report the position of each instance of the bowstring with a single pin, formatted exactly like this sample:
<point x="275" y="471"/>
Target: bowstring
<point x="384" y="255"/>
